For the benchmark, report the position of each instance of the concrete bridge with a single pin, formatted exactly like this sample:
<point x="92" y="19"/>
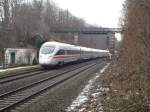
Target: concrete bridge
<point x="103" y="38"/>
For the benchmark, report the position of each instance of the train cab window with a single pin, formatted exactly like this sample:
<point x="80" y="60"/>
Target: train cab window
<point x="47" y="49"/>
<point x="61" y="52"/>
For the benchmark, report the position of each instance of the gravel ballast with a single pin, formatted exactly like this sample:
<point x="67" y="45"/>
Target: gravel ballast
<point x="61" y="97"/>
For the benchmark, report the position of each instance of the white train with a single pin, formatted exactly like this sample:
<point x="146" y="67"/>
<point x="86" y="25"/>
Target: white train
<point x="56" y="53"/>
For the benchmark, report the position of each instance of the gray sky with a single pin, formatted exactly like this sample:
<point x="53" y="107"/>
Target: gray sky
<point x="103" y="13"/>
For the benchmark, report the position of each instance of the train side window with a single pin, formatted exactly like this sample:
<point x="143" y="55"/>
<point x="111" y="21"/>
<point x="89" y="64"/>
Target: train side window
<point x="70" y="52"/>
<point x="61" y="52"/>
<point x="73" y="52"/>
<point x="66" y="52"/>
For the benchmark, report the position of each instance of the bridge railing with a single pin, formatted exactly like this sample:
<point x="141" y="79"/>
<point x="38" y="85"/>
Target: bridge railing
<point x="85" y="30"/>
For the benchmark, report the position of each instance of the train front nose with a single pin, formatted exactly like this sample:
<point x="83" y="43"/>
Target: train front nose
<point x="45" y="60"/>
<point x="46" y="55"/>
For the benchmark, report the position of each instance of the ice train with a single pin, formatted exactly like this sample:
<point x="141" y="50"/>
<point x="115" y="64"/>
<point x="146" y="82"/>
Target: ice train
<point x="56" y="53"/>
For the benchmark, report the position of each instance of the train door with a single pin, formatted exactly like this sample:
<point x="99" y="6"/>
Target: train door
<point x="12" y="57"/>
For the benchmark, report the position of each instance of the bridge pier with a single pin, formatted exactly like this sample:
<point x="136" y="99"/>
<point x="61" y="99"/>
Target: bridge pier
<point x="69" y="35"/>
<point x="76" y="38"/>
<point x="112" y="43"/>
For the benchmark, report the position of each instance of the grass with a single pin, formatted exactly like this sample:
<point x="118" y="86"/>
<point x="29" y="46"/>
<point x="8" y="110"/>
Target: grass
<point x="12" y="71"/>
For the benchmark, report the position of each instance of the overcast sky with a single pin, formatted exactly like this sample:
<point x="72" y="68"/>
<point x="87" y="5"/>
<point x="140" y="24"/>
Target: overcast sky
<point x="103" y="13"/>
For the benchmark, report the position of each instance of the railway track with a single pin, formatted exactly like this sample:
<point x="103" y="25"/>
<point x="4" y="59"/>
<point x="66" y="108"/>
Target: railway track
<point x="22" y="75"/>
<point x="21" y="95"/>
<point x="19" y="83"/>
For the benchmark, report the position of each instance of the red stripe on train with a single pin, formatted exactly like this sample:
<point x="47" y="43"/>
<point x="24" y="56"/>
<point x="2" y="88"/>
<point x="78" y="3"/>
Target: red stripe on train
<point x="66" y="56"/>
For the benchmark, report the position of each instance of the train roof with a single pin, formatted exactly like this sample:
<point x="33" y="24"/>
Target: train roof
<point x="56" y="43"/>
<point x="62" y="45"/>
<point x="73" y="47"/>
<point x="59" y="44"/>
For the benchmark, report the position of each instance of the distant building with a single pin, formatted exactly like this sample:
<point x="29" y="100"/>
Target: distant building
<point x="20" y="56"/>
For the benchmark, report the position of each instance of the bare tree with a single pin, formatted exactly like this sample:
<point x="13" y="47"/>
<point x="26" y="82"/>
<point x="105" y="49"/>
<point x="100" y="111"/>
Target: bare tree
<point x="21" y="20"/>
<point x="129" y="79"/>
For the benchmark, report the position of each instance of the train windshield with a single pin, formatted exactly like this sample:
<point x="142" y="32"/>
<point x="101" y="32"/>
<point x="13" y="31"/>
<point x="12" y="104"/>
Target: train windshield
<point x="47" y="49"/>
